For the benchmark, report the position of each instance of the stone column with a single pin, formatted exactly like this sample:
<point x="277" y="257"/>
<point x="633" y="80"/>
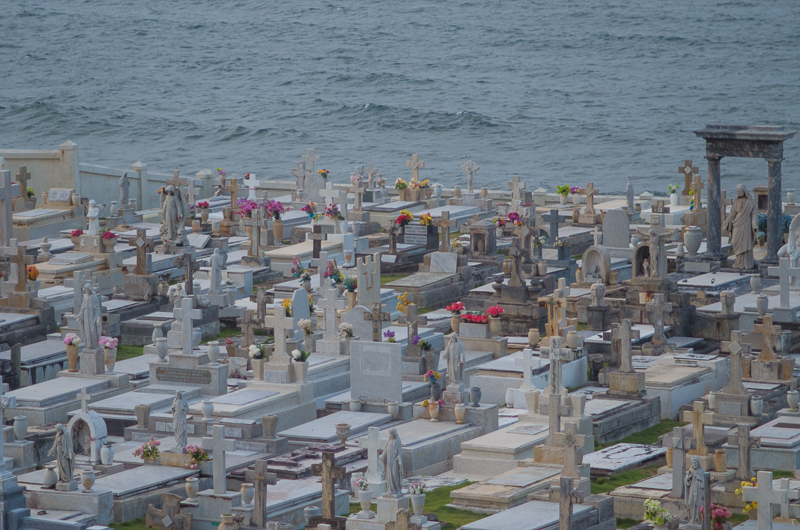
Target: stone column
<point x="141" y="176"/>
<point x="774" y="210"/>
<point x="69" y="172"/>
<point x="714" y="229"/>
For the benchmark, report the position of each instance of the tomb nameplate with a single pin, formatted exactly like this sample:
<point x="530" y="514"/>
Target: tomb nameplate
<point x="415" y="235"/>
<point x="729" y="408"/>
<point x="530" y="429"/>
<point x="59" y="195"/>
<point x="183" y="375"/>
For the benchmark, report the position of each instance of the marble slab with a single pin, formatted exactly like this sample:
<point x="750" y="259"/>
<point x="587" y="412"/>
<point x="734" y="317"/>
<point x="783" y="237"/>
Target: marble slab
<point x="622" y="456"/>
<point x="242" y="397"/>
<point x="661" y="482"/>
<point x="530" y="429"/>
<point x="323" y="430"/>
<point x="56" y="390"/>
<point x="142" y="478"/>
<point x="523" y="476"/>
<point x="533" y="515"/>
<point x="783" y="431"/>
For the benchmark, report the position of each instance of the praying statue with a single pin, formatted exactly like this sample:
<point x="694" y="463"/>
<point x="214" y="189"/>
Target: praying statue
<point x="64" y="454"/>
<point x="124" y="190"/>
<point x="742" y="223"/>
<point x="172" y="215"/>
<point x="695" y="494"/>
<point x="392" y="461"/>
<point x="93" y="214"/>
<point x="90" y="318"/>
<point x="180" y="408"/>
<point x="217" y="264"/>
<point x="456" y="359"/>
<point x="791" y="249"/>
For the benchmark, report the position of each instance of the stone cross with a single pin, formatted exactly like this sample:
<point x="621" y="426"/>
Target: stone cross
<point x="411" y="321"/>
<point x="169" y="516"/>
<point x="248" y="321"/>
<point x="371" y="171"/>
<point x="218" y="445"/>
<point x="261" y="303"/>
<point x="735" y="385"/>
<point x="7" y="192"/>
<point x="745" y="443"/>
<point x="553" y="305"/>
<point x="142" y="244"/>
<point x="190" y="265"/>
<point x="251" y="183"/>
<point x="260" y="500"/>
<point x="623" y="342"/>
<point x="373" y="443"/>
<point x="22" y="178"/>
<point x="310" y="159"/>
<point x="176" y="181"/>
<point x="299" y="173"/>
<point x="281" y="324"/>
<point x="565" y="497"/>
<point x="377" y="317"/>
<point x="84" y="397"/>
<point x="590" y="192"/>
<point x="329" y="472"/>
<point x="332" y="196"/>
<point x="768" y="333"/>
<point x="573" y="444"/>
<point x="188" y="314"/>
<point x="680" y="443"/>
<point x="321" y="263"/>
<point x="598" y="236"/>
<point x="688" y="171"/>
<point x="358" y="192"/>
<point x="191" y="192"/>
<point x="697" y="188"/>
<point x="415" y="164"/>
<point x="233" y="189"/>
<point x="254" y="223"/>
<point x="553" y="218"/>
<point x="659" y="310"/>
<point x="527" y="363"/>
<point x="470" y="168"/>
<point x="329" y="302"/>
<point x="699" y="418"/>
<point x="446" y="223"/>
<point x="317" y="237"/>
<point x="516" y="186"/>
<point x="786" y="273"/>
<point x="525" y="233"/>
<point x="21" y="260"/>
<point x="369" y="284"/>
<point x="766" y="497"/>
<point x="557" y="356"/>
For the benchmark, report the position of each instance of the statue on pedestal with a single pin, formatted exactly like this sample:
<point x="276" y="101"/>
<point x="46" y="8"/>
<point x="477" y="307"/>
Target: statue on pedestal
<point x="791" y="249"/>
<point x="173" y="213"/>
<point x="392" y="462"/>
<point x="695" y="494"/>
<point x="93" y="214"/>
<point x="64" y="453"/>
<point x="742" y="223"/>
<point x="124" y="190"/>
<point x="180" y="408"/>
<point x="90" y="318"/>
<point x="456" y="359"/>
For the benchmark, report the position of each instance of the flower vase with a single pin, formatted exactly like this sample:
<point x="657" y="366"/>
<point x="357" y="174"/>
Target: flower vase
<point x="365" y="499"/>
<point x="436" y="391"/>
<point x="231" y="349"/>
<point x="277" y="230"/>
<point x="300" y="371"/>
<point x="415" y="194"/>
<point x="76" y="241"/>
<point x="393" y="408"/>
<point x="562" y="199"/>
<point x="204" y="215"/>
<point x="351" y="297"/>
<point x="755" y="283"/>
<point x="692" y="238"/>
<point x="455" y="323"/>
<point x="792" y="399"/>
<point x="495" y="326"/>
<point x="72" y="357"/>
<point x="762" y="304"/>
<point x="418" y="503"/>
<point x="87" y="479"/>
<point x="461" y="413"/>
<point x="474" y="396"/>
<point x="756" y="405"/>
<point x="161" y="349"/>
<point x="576" y="199"/>
<point x="542" y="268"/>
<point x="50" y="478"/>
<point x="720" y="461"/>
<point x="212" y="350"/>
<point x="206" y="409"/>
<point x="110" y="357"/>
<point x="227" y="522"/>
<point x="191" y="488"/>
<point x="355" y="405"/>
<point x="109" y="243"/>
<point x="107" y="455"/>
<point x="258" y="369"/>
<point x="248" y="493"/>
<point x="343" y="432"/>
<point x="307" y="285"/>
<point x="20" y="427"/>
<point x="500" y="232"/>
<point x="428" y="193"/>
<point x="433" y="409"/>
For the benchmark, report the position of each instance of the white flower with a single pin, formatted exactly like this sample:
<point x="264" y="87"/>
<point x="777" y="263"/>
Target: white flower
<point x="295" y="354"/>
<point x="253" y="350"/>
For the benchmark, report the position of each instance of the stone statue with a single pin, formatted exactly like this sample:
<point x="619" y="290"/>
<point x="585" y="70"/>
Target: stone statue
<point x="65" y="455"/>
<point x="392" y="461"/>
<point x="742" y="223"/>
<point x="124" y="190"/>
<point x="93" y="214"/>
<point x="598" y="294"/>
<point x="629" y="193"/>
<point x="393" y="238"/>
<point x="173" y="213"/>
<point x="655" y="249"/>
<point x="177" y="294"/>
<point x="217" y="263"/>
<point x="456" y="359"/>
<point x="695" y="495"/>
<point x="791" y="249"/>
<point x="90" y="318"/>
<point x="180" y="408"/>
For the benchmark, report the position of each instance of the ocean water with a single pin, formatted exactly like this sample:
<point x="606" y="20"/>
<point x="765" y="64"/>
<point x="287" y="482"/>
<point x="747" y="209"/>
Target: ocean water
<point x="555" y="91"/>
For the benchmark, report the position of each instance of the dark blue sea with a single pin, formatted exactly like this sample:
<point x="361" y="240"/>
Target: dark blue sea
<point x="555" y="91"/>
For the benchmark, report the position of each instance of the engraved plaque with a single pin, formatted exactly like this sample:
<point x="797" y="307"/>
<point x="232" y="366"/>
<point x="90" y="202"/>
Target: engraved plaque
<point x="59" y="195"/>
<point x="415" y="235"/>
<point x="183" y="375"/>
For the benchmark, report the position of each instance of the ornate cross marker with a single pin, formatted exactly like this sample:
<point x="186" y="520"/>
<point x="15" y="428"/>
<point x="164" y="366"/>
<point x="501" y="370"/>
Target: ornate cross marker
<point x="768" y="333"/>
<point x="329" y="472"/>
<point x="516" y="186"/>
<point x="699" y="418"/>
<point x="21" y="259"/>
<point x="142" y="244"/>
<point x="377" y="317"/>
<point x="565" y="497"/>
<point x="688" y="171"/>
<point x="470" y="168"/>
<point x="189" y="266"/>
<point x="317" y="238"/>
<point x="188" y="314"/>
<point x="659" y="310"/>
<point x="310" y="159"/>
<point x="233" y="189"/>
<point x="680" y="444"/>
<point x="786" y="273"/>
<point x="590" y="192"/>
<point x="219" y="446"/>
<point x="415" y="164"/>
<point x="446" y="223"/>
<point x="22" y="178"/>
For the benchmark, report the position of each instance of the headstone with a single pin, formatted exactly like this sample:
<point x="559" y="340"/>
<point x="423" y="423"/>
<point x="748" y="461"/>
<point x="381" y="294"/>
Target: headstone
<point x="616" y="229"/>
<point x="680" y="444"/>
<point x="218" y="445"/>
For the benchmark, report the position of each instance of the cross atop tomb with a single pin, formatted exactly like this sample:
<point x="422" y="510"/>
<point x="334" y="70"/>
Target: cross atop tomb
<point x="358" y="192"/>
<point x="412" y="321"/>
<point x="680" y="443"/>
<point x="745" y="443"/>
<point x="336" y="197"/>
<point x="659" y="311"/>
<point x="517" y="256"/>
<point x="598" y="236"/>
<point x="254" y="224"/>
<point x="188" y="314"/>
<point x="528" y="364"/>
<point x="373" y="443"/>
<point x="281" y="324"/>
<point x="516" y="186"/>
<point x="371" y="172"/>
<point x="735" y="385"/>
<point x="190" y="265"/>
<point x="765" y="496"/>
<point x="557" y="356"/>
<point x="191" y="192"/>
<point x="260" y="482"/>
<point x="21" y="260"/>
<point x="317" y="237"/>
<point x="553" y="305"/>
<point x="446" y="224"/>
<point x="330" y="302"/>
<point x="377" y="318"/>
<point x="565" y="496"/>
<point x="553" y="218"/>
<point x="22" y="179"/>
<point x="233" y="189"/>
<point x="330" y="473"/>
<point x="251" y="183"/>
<point x="697" y="188"/>
<point x="590" y="192"/>
<point x="688" y="171"/>
<point x="84" y="396"/>
<point x="470" y="168"/>
<point x="624" y="336"/>
<point x="7" y="192"/>
<point x="218" y="445"/>
<point x="310" y="159"/>
<point x="573" y="444"/>
<point x="768" y="333"/>
<point x="299" y="173"/>
<point x="415" y="164"/>
<point x="699" y="418"/>
<point x="525" y="233"/>
<point x="142" y="244"/>
<point x="248" y="322"/>
<point x="176" y="181"/>
<point x="786" y="273"/>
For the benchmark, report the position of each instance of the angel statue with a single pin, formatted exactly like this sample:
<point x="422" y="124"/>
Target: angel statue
<point x="791" y="249"/>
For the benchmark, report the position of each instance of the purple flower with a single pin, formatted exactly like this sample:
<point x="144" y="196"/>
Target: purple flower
<point x="415" y="340"/>
<point x="389" y="334"/>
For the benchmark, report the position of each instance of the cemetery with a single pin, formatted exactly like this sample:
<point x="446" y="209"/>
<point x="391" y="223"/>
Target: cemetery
<point x="336" y="352"/>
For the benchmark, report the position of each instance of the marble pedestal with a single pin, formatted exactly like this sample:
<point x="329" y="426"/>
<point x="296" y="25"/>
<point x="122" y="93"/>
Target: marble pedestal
<point x="455" y="395"/>
<point x="92" y="362"/>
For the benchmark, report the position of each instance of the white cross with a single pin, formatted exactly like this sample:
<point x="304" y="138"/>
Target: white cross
<point x="766" y="497"/>
<point x="557" y="356"/>
<point x="516" y="186"/>
<point x="187" y="315"/>
<point x="84" y="397"/>
<point x="7" y="192"/>
<point x="218" y="445"/>
<point x="310" y="159"/>
<point x="329" y="303"/>
<point x="299" y="173"/>
<point x="280" y="325"/>
<point x="625" y="354"/>
<point x="415" y="164"/>
<point x="192" y="194"/>
<point x="373" y="443"/>
<point x="251" y="184"/>
<point x="528" y="364"/>
<point x="786" y="273"/>
<point x="336" y="197"/>
<point x="470" y="168"/>
<point x="598" y="236"/>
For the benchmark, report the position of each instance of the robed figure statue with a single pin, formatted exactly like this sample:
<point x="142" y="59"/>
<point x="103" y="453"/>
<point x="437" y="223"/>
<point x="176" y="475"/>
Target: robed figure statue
<point x="392" y="461"/>
<point x="742" y="223"/>
<point x="64" y="454"/>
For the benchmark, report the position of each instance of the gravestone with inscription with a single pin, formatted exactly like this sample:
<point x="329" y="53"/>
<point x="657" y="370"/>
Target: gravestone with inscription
<point x="376" y="371"/>
<point x="426" y="236"/>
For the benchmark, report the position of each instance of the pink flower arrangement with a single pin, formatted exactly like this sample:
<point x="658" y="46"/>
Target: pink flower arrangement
<point x="514" y="218"/>
<point x="109" y="235"/>
<point x="108" y="342"/>
<point x="719" y="515"/>
<point x="77" y="232"/>
<point x="196" y="455"/>
<point x="203" y="204"/>
<point x="246" y="205"/>
<point x="456" y="308"/>
<point x="274" y="209"/>
<point x="149" y="451"/>
<point x="71" y="339"/>
<point x="474" y="318"/>
<point x="495" y="311"/>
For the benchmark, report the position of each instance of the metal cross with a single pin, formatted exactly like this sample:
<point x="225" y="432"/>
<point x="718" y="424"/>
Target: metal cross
<point x="377" y="318"/>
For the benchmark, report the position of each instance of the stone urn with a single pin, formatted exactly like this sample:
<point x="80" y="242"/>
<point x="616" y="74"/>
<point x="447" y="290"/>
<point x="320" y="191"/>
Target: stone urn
<point x="692" y="238"/>
<point x="417" y="503"/>
<point x="474" y="396"/>
<point x="790" y="196"/>
<point x="277" y="230"/>
<point x="355" y="405"/>
<point x="461" y="413"/>
<point x="393" y="408"/>
<point x="792" y="398"/>
<point x="533" y="337"/>
<point x="161" y="349"/>
<point x="191" y="488"/>
<point x="72" y="357"/>
<point x="495" y="326"/>
<point x="755" y="283"/>
<point x="712" y="400"/>
<point x="20" y="427"/>
<point x="204" y="215"/>
<point x="300" y="371"/>
<point x="365" y="496"/>
<point x="110" y="358"/>
<point x="248" y="493"/>
<point x="228" y="522"/>
<point x="269" y="422"/>
<point x="720" y="461"/>
<point x="258" y="369"/>
<point x="433" y="409"/>
<point x="762" y="304"/>
<point x="562" y="199"/>
<point x="212" y="350"/>
<point x="436" y="391"/>
<point x="455" y="323"/>
<point x="756" y="405"/>
<point x="307" y="285"/>
<point x="87" y="479"/>
<point x="207" y="408"/>
<point x="108" y="244"/>
<point x="541" y="268"/>
<point x="351" y="297"/>
<point x="50" y="478"/>
<point x="576" y="199"/>
<point x="673" y="199"/>
<point x="107" y="454"/>
<point x="342" y="432"/>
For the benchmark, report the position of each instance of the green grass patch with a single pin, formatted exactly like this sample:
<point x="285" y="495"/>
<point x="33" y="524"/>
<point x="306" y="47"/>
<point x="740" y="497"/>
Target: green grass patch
<point x="262" y="333"/>
<point x="224" y="333"/>
<point x="386" y="278"/>
<point x="424" y="310"/>
<point x="624" y="522"/>
<point x="126" y="351"/>
<point x="134" y="524"/>
<point x="632" y="476"/>
<point x="738" y="518"/>
<point x="779" y="473"/>
<point x="648" y="436"/>
<point x="581" y="327"/>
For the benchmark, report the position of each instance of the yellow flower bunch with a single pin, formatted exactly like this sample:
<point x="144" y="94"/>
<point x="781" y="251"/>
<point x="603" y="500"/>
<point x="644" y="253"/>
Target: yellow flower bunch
<point x="425" y="184"/>
<point x="425" y="403"/>
<point x="426" y="219"/>
<point x="740" y="492"/>
<point x="33" y="272"/>
<point x="408" y="213"/>
<point x="403" y="302"/>
<point x="287" y="304"/>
